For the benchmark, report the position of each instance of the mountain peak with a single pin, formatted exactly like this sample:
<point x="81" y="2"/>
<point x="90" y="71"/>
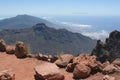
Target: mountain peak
<point x="39" y="27"/>
<point x="22" y="21"/>
<point x="115" y="35"/>
<point x="22" y="15"/>
<point x="25" y="16"/>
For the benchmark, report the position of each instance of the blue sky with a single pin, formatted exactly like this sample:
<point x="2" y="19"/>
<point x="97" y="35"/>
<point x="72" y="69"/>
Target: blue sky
<point x="60" y="7"/>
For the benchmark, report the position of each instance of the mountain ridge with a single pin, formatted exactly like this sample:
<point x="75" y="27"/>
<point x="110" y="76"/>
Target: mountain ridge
<point x="44" y="39"/>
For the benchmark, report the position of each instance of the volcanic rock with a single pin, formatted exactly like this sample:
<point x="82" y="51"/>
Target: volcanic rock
<point x="21" y="50"/>
<point x="2" y="45"/>
<point x="64" y="60"/>
<point x="85" y="65"/>
<point x="110" y="50"/>
<point x="107" y="77"/>
<point x="106" y="63"/>
<point x="81" y="71"/>
<point x="109" y="69"/>
<point x="42" y="57"/>
<point x="70" y="67"/>
<point x="81" y="58"/>
<point x="39" y="56"/>
<point x="53" y="59"/>
<point x="48" y="71"/>
<point x="100" y="51"/>
<point x="10" y="49"/>
<point x="7" y="75"/>
<point x="116" y="62"/>
<point x="89" y="61"/>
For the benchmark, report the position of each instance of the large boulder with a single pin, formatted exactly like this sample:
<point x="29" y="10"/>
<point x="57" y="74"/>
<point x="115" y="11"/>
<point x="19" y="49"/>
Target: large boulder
<point x="2" y="45"/>
<point x="10" y="49"/>
<point x="64" y="60"/>
<point x="7" y="75"/>
<point x="21" y="50"/>
<point x="84" y="65"/>
<point x="89" y="61"/>
<point x="81" y="71"/>
<point x="82" y="58"/>
<point x="48" y="71"/>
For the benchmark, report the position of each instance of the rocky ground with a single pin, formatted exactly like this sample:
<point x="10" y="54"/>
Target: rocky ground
<point x="104" y="64"/>
<point x="24" y="68"/>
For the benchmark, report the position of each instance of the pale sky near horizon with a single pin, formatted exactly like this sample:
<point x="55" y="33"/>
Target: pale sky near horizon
<point x="60" y="7"/>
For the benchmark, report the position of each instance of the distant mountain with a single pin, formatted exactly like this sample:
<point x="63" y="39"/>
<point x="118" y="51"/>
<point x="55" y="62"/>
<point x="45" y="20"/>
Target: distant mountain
<point x="23" y="21"/>
<point x="42" y="38"/>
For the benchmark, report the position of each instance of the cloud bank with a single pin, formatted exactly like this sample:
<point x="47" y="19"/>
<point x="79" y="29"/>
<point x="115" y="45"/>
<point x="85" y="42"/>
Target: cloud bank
<point x="86" y="30"/>
<point x="97" y="35"/>
<point x="76" y="25"/>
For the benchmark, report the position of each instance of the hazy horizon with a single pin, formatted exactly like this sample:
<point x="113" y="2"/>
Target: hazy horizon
<point x="93" y="18"/>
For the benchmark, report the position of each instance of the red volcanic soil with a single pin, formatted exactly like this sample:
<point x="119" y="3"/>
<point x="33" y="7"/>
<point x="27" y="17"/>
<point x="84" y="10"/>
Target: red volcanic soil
<point x="24" y="68"/>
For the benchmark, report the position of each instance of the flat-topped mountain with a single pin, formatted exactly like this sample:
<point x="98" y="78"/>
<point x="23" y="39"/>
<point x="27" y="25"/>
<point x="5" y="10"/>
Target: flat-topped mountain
<point x="22" y="21"/>
<point x="42" y="38"/>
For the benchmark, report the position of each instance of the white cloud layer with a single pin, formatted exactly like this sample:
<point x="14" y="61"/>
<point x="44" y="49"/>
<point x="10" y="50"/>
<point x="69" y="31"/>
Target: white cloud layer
<point x="97" y="35"/>
<point x="86" y="30"/>
<point x="76" y="25"/>
<point x="47" y="18"/>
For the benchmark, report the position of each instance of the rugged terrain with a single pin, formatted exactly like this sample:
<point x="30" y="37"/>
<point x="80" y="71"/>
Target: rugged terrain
<point x="103" y="64"/>
<point x="24" y="68"/>
<point x="110" y="50"/>
<point x="41" y="38"/>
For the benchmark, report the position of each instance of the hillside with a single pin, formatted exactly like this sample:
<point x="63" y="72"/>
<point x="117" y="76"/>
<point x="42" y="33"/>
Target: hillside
<point x="48" y="40"/>
<point x="22" y="21"/>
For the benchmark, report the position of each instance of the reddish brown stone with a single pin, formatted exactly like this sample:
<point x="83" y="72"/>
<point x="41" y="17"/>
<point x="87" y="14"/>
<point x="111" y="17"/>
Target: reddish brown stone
<point x="64" y="60"/>
<point x="10" y="49"/>
<point x="48" y="71"/>
<point x="81" y="71"/>
<point x="7" y="75"/>
<point x="70" y="67"/>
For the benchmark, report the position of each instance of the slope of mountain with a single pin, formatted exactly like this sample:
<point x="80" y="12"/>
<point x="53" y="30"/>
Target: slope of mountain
<point x="48" y="40"/>
<point x="23" y="21"/>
